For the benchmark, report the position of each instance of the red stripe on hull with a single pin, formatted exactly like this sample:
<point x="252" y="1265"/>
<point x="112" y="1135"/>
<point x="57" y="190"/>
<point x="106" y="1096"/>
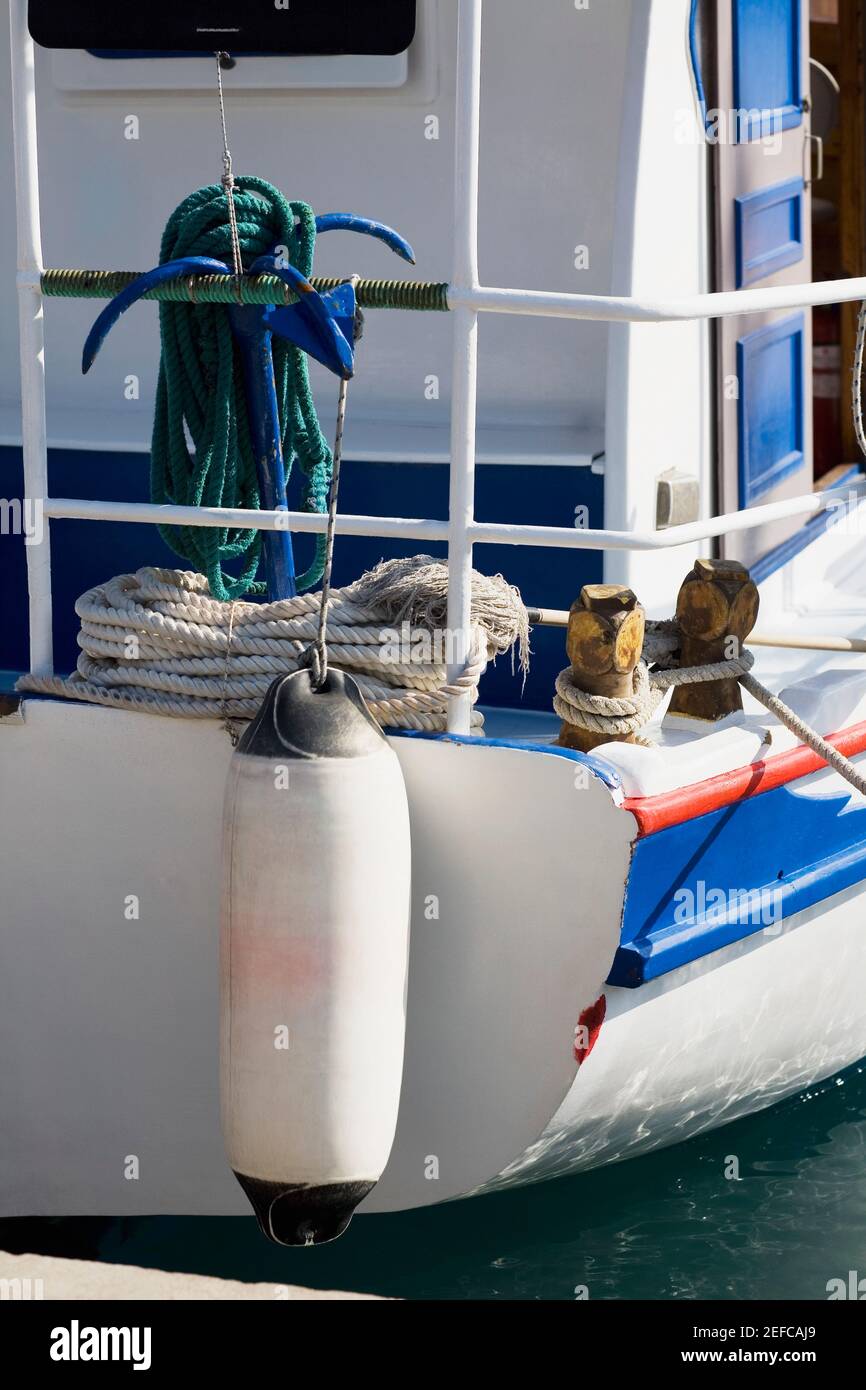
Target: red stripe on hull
<point x="588" y="1028"/>
<point x="654" y="813"/>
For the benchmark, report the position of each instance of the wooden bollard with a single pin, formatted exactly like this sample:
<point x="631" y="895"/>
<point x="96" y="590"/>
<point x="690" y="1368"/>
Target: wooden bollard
<point x="604" y="644"/>
<point x="716" y="610"/>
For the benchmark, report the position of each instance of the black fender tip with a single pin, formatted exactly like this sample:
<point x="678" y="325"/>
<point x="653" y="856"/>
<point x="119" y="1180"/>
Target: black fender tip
<point x="303" y="1215"/>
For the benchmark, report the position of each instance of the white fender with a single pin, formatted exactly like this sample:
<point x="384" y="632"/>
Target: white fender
<point x="314" y="955"/>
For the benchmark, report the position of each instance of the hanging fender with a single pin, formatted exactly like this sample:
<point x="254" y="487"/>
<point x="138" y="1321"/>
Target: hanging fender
<point x="314" y="953"/>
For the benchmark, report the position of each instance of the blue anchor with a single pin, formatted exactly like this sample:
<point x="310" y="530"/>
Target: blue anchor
<point x="322" y="325"/>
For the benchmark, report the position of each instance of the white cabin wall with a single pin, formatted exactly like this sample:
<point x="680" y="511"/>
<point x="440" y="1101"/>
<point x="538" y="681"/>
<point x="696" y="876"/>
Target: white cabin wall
<point x="658" y="375"/>
<point x="553" y="79"/>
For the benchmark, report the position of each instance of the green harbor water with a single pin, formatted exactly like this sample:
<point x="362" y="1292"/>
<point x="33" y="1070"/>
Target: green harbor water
<point x="667" y="1226"/>
<point x="670" y="1225"/>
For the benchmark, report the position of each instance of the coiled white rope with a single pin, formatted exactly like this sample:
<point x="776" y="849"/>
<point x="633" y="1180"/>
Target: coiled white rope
<point x="157" y="641"/>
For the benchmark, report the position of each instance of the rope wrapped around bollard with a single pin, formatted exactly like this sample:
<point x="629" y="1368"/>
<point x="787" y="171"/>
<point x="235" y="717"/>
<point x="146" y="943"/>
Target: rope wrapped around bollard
<point x="628" y="715"/>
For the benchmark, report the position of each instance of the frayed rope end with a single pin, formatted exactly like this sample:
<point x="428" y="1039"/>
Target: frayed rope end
<point x="415" y="590"/>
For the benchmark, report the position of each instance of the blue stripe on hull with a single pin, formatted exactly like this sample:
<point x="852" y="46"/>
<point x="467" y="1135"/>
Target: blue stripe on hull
<point x="705" y="883"/>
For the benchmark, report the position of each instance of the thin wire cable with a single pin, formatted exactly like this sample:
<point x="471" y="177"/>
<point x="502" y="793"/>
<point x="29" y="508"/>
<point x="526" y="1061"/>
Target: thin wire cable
<point x="228" y="181"/>
<point x="317" y="655"/>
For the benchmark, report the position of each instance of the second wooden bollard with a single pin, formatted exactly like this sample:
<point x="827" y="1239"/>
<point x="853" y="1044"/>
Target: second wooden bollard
<point x="716" y="610"/>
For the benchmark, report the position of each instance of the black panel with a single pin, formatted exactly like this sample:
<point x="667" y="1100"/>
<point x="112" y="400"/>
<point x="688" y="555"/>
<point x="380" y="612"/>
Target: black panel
<point x="238" y="26"/>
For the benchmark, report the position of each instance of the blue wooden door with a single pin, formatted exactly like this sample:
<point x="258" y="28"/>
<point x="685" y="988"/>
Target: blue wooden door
<point x="759" y="136"/>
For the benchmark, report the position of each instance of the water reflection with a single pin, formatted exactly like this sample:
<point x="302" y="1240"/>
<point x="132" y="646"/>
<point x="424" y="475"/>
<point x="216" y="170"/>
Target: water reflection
<point x="790" y="1216"/>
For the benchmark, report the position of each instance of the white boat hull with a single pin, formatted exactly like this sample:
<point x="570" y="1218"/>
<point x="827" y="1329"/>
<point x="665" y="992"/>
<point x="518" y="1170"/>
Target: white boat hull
<point x="110" y="862"/>
<point x="735" y="1032"/>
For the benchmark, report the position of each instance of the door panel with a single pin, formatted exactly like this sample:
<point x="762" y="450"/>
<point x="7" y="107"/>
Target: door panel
<point x="767" y="66"/>
<point x="770" y="367"/>
<point x="762" y="205"/>
<point x="768" y="226"/>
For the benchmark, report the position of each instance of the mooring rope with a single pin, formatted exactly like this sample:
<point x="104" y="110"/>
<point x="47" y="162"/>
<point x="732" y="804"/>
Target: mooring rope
<point x="627" y="715"/>
<point x="158" y="641"/>
<point x="604" y="714"/>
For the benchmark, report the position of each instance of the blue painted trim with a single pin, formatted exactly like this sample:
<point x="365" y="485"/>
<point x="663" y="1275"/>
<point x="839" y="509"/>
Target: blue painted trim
<point x="762" y="121"/>
<point x="783" y="553"/>
<point x="778" y="397"/>
<point x="762" y="125"/>
<point x="661" y="952"/>
<point x="756" y="255"/>
<point x="604" y="771"/>
<point x="761" y="860"/>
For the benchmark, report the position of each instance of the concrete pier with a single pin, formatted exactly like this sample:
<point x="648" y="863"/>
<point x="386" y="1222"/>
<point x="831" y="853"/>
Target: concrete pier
<point x="37" y="1277"/>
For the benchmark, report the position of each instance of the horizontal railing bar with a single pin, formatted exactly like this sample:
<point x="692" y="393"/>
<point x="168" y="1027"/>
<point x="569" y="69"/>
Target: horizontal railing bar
<point x="582" y="538"/>
<point x="480" y="532"/>
<point x="255" y="289"/>
<point x="241" y="519"/>
<point x="613" y="309"/>
<point x="439" y="297"/>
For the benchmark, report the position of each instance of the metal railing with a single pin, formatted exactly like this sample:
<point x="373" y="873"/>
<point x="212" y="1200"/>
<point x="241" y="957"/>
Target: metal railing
<point x="464" y="296"/>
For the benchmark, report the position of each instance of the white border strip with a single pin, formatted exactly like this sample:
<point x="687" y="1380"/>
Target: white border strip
<point x="30" y="328"/>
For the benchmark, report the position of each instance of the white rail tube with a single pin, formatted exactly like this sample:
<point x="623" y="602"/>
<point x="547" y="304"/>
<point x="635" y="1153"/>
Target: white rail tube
<point x="464" y="380"/>
<point x="239" y="518"/>
<point x="561" y="537"/>
<point x="611" y="309"/>
<point x="805" y="641"/>
<point x="30" y="334"/>
<point x="479" y="532"/>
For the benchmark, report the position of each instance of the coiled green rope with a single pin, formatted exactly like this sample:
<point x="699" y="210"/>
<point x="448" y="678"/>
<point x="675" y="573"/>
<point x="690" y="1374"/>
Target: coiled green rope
<point x="200" y="393"/>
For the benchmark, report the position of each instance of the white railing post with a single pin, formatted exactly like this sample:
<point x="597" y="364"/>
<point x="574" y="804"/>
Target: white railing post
<point x="461" y="507"/>
<point x="31" y="344"/>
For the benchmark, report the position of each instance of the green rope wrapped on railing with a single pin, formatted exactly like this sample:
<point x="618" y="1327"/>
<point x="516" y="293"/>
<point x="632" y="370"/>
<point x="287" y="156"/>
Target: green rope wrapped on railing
<point x="430" y="296"/>
<point x="200" y="395"/>
<point x="202" y="451"/>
